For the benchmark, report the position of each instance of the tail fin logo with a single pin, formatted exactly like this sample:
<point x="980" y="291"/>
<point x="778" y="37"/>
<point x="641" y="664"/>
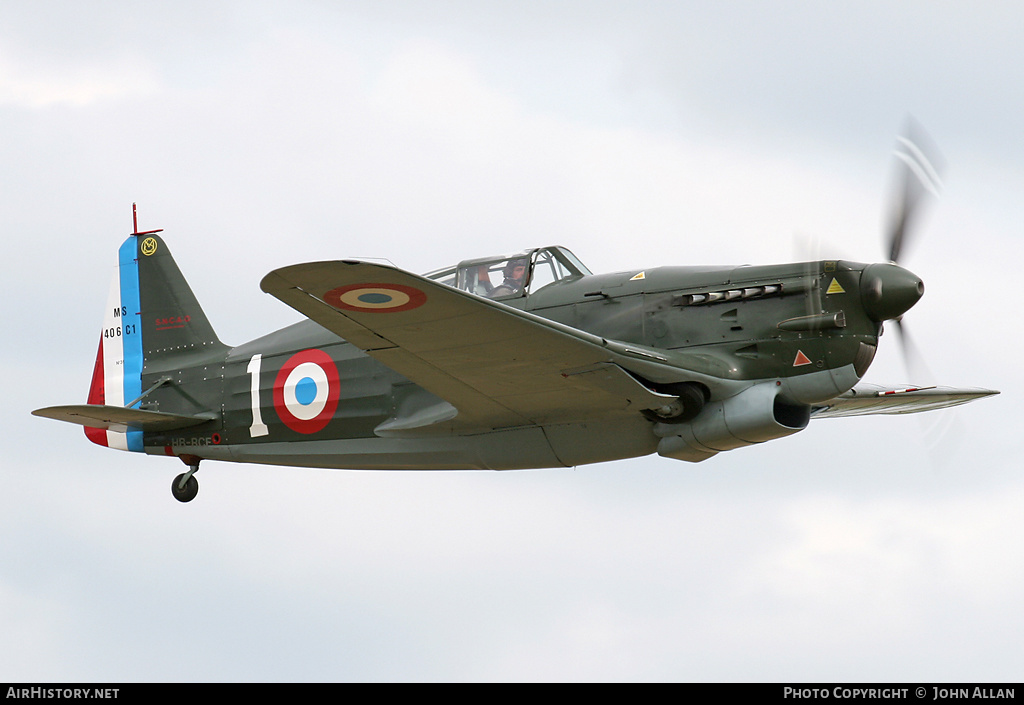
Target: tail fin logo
<point x="148" y="246"/>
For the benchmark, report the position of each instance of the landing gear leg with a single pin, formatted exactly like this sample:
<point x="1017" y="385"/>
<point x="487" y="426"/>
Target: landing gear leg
<point x="185" y="486"/>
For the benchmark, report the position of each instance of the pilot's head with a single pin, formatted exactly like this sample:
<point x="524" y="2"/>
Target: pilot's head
<point x="515" y="271"/>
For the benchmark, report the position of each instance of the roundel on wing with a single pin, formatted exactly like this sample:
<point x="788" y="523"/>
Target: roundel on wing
<point x="306" y="391"/>
<point x="376" y="298"/>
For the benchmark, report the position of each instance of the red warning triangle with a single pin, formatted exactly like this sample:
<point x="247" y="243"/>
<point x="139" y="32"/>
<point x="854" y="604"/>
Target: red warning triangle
<point x="801" y="359"/>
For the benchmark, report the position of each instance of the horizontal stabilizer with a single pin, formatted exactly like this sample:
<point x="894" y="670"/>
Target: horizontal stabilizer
<point x="864" y="400"/>
<point x="118" y="418"/>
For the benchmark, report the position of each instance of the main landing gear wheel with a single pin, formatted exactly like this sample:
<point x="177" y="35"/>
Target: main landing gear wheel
<point x="689" y="402"/>
<point x="185" y="487"/>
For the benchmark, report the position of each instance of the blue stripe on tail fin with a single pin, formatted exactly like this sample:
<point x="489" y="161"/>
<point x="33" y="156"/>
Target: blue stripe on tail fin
<point x="131" y="327"/>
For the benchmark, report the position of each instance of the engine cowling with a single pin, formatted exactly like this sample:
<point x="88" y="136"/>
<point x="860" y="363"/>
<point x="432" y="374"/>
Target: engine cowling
<point x="755" y="415"/>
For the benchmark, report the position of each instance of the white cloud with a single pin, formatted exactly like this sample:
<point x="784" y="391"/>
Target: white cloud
<point x="74" y="85"/>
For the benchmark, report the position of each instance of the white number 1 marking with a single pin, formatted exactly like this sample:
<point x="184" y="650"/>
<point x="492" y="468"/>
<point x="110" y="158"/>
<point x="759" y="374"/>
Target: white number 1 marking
<point x="258" y="428"/>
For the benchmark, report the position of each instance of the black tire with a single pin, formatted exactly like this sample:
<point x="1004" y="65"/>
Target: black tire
<point x="186" y="493"/>
<point x="690" y="403"/>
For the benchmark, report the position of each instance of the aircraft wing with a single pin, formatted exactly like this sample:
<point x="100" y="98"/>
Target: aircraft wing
<point x="866" y="399"/>
<point x="497" y="365"/>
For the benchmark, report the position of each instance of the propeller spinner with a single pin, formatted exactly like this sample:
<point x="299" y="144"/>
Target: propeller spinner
<point x="887" y="291"/>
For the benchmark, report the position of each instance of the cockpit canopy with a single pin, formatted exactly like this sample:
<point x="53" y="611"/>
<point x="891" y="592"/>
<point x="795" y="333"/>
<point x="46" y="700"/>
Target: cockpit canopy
<point x="512" y="276"/>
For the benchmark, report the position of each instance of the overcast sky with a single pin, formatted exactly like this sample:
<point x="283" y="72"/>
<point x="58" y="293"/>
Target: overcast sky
<point x="260" y="134"/>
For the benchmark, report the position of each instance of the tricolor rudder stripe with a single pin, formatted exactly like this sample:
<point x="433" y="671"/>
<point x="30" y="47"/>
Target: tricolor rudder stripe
<point x="117" y="376"/>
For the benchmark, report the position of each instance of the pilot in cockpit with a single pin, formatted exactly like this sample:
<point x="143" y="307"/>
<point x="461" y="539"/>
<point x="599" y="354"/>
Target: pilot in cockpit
<point x="515" y="278"/>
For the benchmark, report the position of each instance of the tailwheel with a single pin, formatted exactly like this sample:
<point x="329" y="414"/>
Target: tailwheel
<point x="185" y="486"/>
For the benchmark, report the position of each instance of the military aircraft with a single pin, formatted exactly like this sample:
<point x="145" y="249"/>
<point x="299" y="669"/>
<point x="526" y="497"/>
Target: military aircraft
<point x="511" y="362"/>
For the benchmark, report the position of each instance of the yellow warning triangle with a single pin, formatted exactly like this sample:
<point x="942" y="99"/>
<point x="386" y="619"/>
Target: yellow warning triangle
<point x="835" y="288"/>
<point x="801" y="359"/>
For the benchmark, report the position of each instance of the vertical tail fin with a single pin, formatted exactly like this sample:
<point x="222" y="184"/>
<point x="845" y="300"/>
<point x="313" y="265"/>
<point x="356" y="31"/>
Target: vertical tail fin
<point x="152" y="323"/>
<point x="172" y="321"/>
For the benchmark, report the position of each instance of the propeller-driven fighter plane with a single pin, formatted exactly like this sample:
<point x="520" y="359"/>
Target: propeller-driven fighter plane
<point x="521" y="361"/>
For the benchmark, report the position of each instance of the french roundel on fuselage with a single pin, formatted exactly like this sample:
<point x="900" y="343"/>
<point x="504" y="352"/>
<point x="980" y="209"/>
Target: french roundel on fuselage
<point x="306" y="391"/>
